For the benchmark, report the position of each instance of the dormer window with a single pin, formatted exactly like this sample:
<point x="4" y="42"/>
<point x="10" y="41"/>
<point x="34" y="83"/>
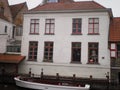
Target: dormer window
<point x="1" y="7"/>
<point x="52" y="1"/>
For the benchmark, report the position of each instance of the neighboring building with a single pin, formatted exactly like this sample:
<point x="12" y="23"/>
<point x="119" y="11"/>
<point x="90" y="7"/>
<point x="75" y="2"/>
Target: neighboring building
<point x="114" y="42"/>
<point x="67" y="37"/>
<point x="11" y="21"/>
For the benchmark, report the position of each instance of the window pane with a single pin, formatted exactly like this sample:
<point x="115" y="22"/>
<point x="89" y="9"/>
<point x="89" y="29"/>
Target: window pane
<point x="96" y="20"/>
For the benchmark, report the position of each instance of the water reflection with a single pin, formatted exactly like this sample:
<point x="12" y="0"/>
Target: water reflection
<point x="10" y="87"/>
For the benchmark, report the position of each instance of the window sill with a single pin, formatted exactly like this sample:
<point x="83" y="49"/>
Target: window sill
<point x="32" y="60"/>
<point x="93" y="34"/>
<point x="34" y="33"/>
<point x="93" y="63"/>
<point x="76" y="34"/>
<point x="76" y="62"/>
<point x="49" y="34"/>
<point x="50" y="61"/>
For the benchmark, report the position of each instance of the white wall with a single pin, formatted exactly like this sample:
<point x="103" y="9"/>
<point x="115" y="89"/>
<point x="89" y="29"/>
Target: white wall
<point x="3" y="42"/>
<point x="4" y="36"/>
<point x="62" y="45"/>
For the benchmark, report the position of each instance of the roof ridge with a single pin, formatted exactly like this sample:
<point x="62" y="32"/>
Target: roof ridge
<point x="17" y="4"/>
<point x="98" y="4"/>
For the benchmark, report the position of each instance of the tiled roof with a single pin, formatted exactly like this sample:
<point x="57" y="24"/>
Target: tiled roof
<point x="82" y="5"/>
<point x="3" y="17"/>
<point x="11" y="58"/>
<point x="115" y="30"/>
<point x="15" y="9"/>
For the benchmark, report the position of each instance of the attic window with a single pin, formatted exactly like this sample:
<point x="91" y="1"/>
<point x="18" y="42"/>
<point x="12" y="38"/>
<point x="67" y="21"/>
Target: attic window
<point x="1" y="9"/>
<point x="52" y="1"/>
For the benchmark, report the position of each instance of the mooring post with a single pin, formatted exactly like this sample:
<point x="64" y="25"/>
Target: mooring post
<point x="57" y="76"/>
<point x="74" y="77"/>
<point x="42" y="73"/>
<point x="29" y="72"/>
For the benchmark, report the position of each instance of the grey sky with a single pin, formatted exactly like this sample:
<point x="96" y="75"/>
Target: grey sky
<point x="113" y="4"/>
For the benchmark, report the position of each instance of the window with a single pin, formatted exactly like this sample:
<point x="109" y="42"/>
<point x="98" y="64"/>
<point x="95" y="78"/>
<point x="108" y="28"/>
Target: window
<point x="5" y="29"/>
<point x="76" y="52"/>
<point x="34" y="26"/>
<point x="49" y="26"/>
<point x="33" y="47"/>
<point x="118" y="50"/>
<point x="93" y="53"/>
<point x="77" y="26"/>
<point x="51" y="1"/>
<point x="93" y="27"/>
<point x="19" y="31"/>
<point x="1" y="10"/>
<point x="113" y="50"/>
<point x="48" y="52"/>
<point x="16" y="49"/>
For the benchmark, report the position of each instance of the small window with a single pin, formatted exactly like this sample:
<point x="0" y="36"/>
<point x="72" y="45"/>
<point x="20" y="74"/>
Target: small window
<point x="93" y="53"/>
<point x="76" y="26"/>
<point x="52" y="1"/>
<point x="49" y="26"/>
<point x="48" y="52"/>
<point x="33" y="48"/>
<point x="5" y="29"/>
<point x="34" y="26"/>
<point x="113" y="50"/>
<point x="118" y="50"/>
<point x="2" y="10"/>
<point x="93" y="27"/>
<point x="19" y="31"/>
<point x="76" y="52"/>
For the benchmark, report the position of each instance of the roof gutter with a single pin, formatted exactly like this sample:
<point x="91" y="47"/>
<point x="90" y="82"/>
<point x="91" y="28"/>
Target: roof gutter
<point x="69" y="11"/>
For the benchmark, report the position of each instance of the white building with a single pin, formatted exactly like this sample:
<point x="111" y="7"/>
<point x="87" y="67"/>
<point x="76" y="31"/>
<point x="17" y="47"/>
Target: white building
<point x="67" y="37"/>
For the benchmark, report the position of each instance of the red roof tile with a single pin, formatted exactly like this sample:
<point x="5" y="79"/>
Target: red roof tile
<point x="11" y="58"/>
<point x="3" y="17"/>
<point x="115" y="30"/>
<point x="15" y="9"/>
<point x="83" y="5"/>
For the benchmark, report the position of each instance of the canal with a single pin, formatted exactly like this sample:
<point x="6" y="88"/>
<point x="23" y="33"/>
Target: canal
<point x="14" y="87"/>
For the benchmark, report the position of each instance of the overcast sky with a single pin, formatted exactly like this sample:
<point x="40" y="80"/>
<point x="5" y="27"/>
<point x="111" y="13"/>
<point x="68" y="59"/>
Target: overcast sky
<point x="113" y="4"/>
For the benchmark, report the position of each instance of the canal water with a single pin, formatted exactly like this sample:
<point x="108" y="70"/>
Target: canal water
<point x="14" y="87"/>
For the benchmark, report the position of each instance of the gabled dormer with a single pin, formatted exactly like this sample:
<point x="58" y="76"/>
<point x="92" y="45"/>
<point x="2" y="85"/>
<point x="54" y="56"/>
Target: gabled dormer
<point x="56" y="1"/>
<point x="52" y="1"/>
<point x="1" y="8"/>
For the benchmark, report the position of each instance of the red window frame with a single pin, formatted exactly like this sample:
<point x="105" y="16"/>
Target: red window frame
<point x="34" y="26"/>
<point x="93" y="27"/>
<point x="76" y="26"/>
<point x="33" y="47"/>
<point x="93" y="53"/>
<point x="49" y="26"/>
<point x="113" y="50"/>
<point x="48" y="51"/>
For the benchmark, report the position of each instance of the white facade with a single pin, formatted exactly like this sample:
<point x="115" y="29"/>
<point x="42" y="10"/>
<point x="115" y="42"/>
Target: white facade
<point x="5" y="34"/>
<point x="63" y="39"/>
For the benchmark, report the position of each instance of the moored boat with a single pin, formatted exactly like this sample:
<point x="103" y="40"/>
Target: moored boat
<point x="42" y="85"/>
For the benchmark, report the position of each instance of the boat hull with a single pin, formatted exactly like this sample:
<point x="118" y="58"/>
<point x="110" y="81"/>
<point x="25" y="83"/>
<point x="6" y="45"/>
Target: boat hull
<point x="40" y="86"/>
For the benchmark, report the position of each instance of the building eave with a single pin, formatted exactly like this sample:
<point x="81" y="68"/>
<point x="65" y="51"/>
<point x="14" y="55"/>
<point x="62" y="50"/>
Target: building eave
<point x="68" y="11"/>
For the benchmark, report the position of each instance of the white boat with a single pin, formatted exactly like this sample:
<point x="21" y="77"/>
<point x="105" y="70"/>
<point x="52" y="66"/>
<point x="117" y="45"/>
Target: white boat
<point x="42" y="86"/>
